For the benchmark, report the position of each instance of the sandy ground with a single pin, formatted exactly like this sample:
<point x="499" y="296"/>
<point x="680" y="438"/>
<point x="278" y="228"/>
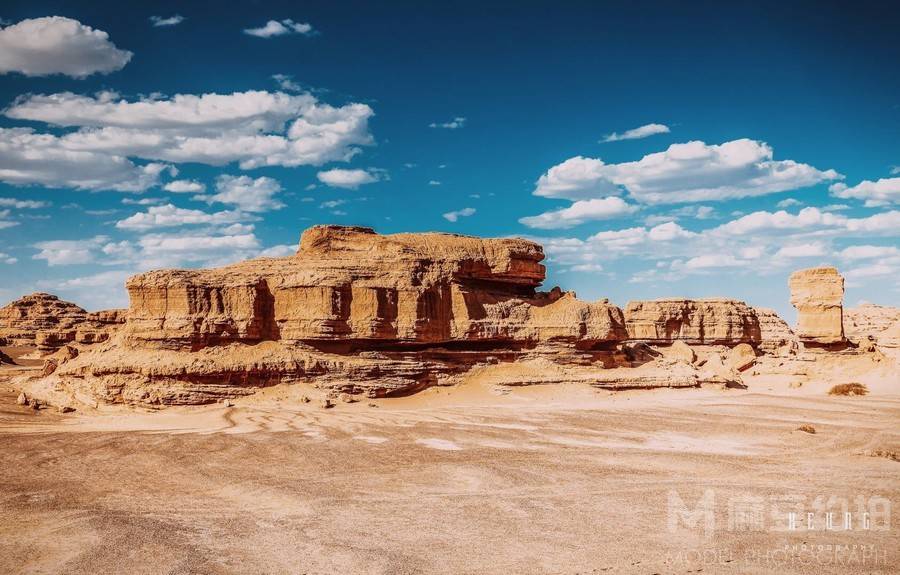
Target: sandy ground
<point x="552" y="479"/>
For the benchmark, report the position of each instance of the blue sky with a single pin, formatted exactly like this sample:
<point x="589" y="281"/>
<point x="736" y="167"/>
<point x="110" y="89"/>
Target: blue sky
<point x="750" y="140"/>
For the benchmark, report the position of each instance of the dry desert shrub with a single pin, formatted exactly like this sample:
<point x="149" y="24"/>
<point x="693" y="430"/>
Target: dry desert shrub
<point x="807" y="428"/>
<point x="849" y="389"/>
<point x="885" y="453"/>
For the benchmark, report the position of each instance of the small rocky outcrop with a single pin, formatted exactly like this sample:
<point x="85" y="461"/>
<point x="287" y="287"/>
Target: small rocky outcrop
<point x="776" y="336"/>
<point x="713" y="321"/>
<point x="48" y="322"/>
<point x="818" y="295"/>
<point x="879" y="322"/>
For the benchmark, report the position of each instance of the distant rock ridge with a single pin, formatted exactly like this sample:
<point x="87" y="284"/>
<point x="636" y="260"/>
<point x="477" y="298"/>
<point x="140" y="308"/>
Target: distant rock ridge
<point x="694" y="321"/>
<point x="48" y="322"/>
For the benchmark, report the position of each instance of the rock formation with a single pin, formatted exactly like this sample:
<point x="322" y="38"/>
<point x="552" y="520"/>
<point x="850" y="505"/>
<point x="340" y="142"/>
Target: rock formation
<point x="881" y="323"/>
<point x="353" y="311"/>
<point x="776" y="336"/>
<point x="698" y="322"/>
<point x="48" y="322"/>
<point x="818" y="295"/>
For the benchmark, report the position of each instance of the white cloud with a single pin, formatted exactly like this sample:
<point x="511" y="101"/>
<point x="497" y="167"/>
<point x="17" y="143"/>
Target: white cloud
<point x="331" y="204"/>
<point x="5" y="222"/>
<point x="69" y="252"/>
<point x="709" y="261"/>
<point x="668" y="232"/>
<point x="873" y="270"/>
<point x="579" y="213"/>
<point x="169" y="216"/>
<point x="30" y="158"/>
<point x="279" y="251"/>
<point x="807" y="250"/>
<point x="286" y="83"/>
<point x="454" y="124"/>
<point x="253" y="128"/>
<point x="455" y="215"/>
<point x="159" y="21"/>
<point x="22" y="204"/>
<point x="788" y="202"/>
<point x="185" y="114"/>
<point x="185" y="187"/>
<point x="895" y="170"/>
<point x="280" y="28"/>
<point x="637" y="133"/>
<point x="350" y="179"/>
<point x="577" y="178"/>
<point x="781" y="220"/>
<point x="7" y="259"/>
<point x="884" y="192"/>
<point x="57" y="45"/>
<point x="434" y="183"/>
<point x="689" y="172"/>
<point x="868" y="252"/>
<point x="246" y="193"/>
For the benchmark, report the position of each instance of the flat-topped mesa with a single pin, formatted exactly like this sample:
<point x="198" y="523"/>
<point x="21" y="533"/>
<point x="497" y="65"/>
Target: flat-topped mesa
<point x="349" y="283"/>
<point x="818" y="295"/>
<point x="709" y="321"/>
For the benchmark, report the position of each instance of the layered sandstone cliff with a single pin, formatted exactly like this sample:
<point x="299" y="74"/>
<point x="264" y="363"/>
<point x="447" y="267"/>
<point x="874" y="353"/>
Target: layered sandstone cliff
<point x="352" y="311"/>
<point x="818" y="295"/>
<point x="350" y="284"/>
<point x="698" y="321"/>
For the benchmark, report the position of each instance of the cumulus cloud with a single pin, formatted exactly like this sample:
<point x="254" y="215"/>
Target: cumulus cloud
<point x="69" y="252"/>
<point x="454" y="124"/>
<point x="184" y="187"/>
<point x="28" y="158"/>
<point x="758" y="243"/>
<point x="577" y="178"/>
<point x="884" y="192"/>
<point x="455" y="215"/>
<point x="788" y="203"/>
<point x="637" y="133"/>
<point x="690" y="172"/>
<point x="252" y="128"/>
<point x="247" y="194"/>
<point x="579" y="213"/>
<point x="57" y="45"/>
<point x="170" y="216"/>
<point x="807" y="250"/>
<point x="864" y="252"/>
<point x="349" y="179"/>
<point x="274" y="28"/>
<point x="7" y="259"/>
<point x="159" y="21"/>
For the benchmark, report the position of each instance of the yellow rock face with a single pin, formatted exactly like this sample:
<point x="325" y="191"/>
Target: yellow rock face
<point x="818" y="295"/>
<point x="349" y="283"/>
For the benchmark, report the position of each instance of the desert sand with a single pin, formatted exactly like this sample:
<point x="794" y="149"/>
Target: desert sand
<point x="468" y="479"/>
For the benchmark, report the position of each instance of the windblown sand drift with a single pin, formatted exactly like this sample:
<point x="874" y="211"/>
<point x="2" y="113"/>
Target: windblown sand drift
<point x="361" y="313"/>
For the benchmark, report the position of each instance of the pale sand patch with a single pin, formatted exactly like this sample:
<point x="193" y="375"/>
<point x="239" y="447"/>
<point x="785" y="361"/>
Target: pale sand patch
<point x="436" y="443"/>
<point x="371" y="438"/>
